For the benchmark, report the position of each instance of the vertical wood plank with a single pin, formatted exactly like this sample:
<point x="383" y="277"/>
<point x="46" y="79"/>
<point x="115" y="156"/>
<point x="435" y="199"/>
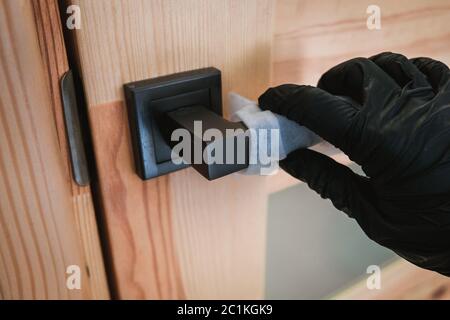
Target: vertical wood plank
<point x="38" y="233"/>
<point x="177" y="236"/>
<point x="54" y="56"/>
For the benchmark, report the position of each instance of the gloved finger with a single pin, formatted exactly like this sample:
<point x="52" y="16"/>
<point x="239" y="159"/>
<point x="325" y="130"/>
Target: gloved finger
<point x="360" y="79"/>
<point x="438" y="73"/>
<point x="347" y="191"/>
<point x="326" y="115"/>
<point x="399" y="68"/>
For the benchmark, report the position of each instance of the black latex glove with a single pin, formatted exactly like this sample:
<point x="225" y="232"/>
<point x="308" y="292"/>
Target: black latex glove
<point x="390" y="115"/>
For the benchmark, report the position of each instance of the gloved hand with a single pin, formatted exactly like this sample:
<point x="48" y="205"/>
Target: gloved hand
<point x="390" y="115"/>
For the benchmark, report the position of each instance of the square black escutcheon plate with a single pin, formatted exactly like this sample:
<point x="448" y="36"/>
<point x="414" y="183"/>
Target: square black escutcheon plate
<point x="148" y="100"/>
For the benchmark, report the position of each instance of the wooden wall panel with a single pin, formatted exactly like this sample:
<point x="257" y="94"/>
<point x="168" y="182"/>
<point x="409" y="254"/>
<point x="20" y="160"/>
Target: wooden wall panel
<point x="177" y="236"/>
<point x="54" y="56"/>
<point x="38" y="230"/>
<point x="313" y="36"/>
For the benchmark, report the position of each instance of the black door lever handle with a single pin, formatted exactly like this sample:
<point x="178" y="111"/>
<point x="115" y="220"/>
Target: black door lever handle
<point x="214" y="146"/>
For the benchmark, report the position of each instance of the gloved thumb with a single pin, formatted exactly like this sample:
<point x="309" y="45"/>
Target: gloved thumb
<point x="348" y="191"/>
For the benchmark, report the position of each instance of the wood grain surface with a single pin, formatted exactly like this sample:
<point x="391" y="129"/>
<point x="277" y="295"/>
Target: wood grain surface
<point x="177" y="236"/>
<point x="313" y="36"/>
<point x="54" y="56"/>
<point x="39" y="237"/>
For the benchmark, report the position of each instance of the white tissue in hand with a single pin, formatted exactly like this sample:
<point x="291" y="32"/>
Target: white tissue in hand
<point x="291" y="135"/>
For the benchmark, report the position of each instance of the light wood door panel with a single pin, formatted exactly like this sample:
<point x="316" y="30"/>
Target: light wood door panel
<point x="46" y="222"/>
<point x="313" y="36"/>
<point x="54" y="57"/>
<point x="177" y="236"/>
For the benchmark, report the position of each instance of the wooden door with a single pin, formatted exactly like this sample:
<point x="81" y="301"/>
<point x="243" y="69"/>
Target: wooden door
<point x="177" y="236"/>
<point x="180" y="236"/>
